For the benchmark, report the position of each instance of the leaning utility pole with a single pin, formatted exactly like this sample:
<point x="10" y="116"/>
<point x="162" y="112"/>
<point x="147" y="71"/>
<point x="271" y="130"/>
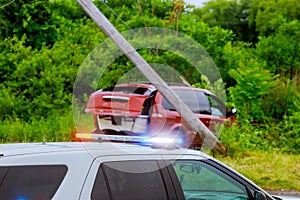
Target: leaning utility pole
<point x="188" y="116"/>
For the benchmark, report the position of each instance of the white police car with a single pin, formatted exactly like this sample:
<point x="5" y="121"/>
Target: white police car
<point x="115" y="170"/>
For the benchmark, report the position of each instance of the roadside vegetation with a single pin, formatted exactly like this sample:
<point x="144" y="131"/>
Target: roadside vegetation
<point x="254" y="43"/>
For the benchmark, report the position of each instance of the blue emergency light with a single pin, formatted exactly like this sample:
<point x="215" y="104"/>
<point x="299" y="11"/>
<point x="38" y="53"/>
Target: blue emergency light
<point x="156" y="142"/>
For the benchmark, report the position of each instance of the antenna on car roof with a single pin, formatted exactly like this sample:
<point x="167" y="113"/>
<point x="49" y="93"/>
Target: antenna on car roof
<point x="184" y="81"/>
<point x="44" y="139"/>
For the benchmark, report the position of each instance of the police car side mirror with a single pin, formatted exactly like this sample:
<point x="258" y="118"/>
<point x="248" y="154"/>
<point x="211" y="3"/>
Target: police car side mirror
<point x="231" y="112"/>
<point x="277" y="198"/>
<point x="259" y="195"/>
<point x="186" y="168"/>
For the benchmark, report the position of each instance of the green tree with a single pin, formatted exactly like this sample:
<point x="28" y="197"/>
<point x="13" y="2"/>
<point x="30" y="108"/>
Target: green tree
<point x="281" y="50"/>
<point x="40" y="82"/>
<point x="157" y="8"/>
<point x="232" y="15"/>
<point x="262" y="13"/>
<point x="31" y="18"/>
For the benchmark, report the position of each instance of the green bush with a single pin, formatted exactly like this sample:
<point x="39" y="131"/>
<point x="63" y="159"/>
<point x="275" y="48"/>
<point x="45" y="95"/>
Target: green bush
<point x="56" y="127"/>
<point x="254" y="82"/>
<point x="243" y="137"/>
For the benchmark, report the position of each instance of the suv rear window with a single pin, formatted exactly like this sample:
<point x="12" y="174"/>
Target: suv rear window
<point x="127" y="89"/>
<point x="130" y="180"/>
<point x="30" y="182"/>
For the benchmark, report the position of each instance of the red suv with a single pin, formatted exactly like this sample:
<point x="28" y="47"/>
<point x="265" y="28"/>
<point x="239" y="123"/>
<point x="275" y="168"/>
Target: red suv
<point x="140" y="109"/>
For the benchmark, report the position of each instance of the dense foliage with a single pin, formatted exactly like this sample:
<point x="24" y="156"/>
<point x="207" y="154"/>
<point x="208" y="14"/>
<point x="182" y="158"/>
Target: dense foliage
<point x="254" y="43"/>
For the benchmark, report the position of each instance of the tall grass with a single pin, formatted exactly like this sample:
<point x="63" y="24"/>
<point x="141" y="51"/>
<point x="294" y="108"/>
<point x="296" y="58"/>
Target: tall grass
<point x="54" y="128"/>
<point x="270" y="170"/>
<point x="267" y="154"/>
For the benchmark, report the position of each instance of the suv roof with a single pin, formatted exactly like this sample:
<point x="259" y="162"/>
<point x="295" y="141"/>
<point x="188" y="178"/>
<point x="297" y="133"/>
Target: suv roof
<point x="132" y="88"/>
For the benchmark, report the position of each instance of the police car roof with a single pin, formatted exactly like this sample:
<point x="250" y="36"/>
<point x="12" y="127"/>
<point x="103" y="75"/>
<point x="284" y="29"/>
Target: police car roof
<point x="96" y="148"/>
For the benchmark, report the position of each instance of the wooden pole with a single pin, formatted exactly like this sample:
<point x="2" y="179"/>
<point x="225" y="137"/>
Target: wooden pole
<point x="188" y="116"/>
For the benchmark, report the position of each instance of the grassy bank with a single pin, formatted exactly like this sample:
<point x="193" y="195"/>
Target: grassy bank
<point x="268" y="155"/>
<point x="269" y="170"/>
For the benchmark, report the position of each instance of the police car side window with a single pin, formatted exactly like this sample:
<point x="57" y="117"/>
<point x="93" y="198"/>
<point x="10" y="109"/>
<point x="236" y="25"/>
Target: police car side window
<point x="130" y="180"/>
<point x="200" y="180"/>
<point x="3" y="171"/>
<point x="100" y="190"/>
<point x="31" y="182"/>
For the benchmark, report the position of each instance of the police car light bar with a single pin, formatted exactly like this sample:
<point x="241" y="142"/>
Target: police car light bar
<point x="149" y="141"/>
